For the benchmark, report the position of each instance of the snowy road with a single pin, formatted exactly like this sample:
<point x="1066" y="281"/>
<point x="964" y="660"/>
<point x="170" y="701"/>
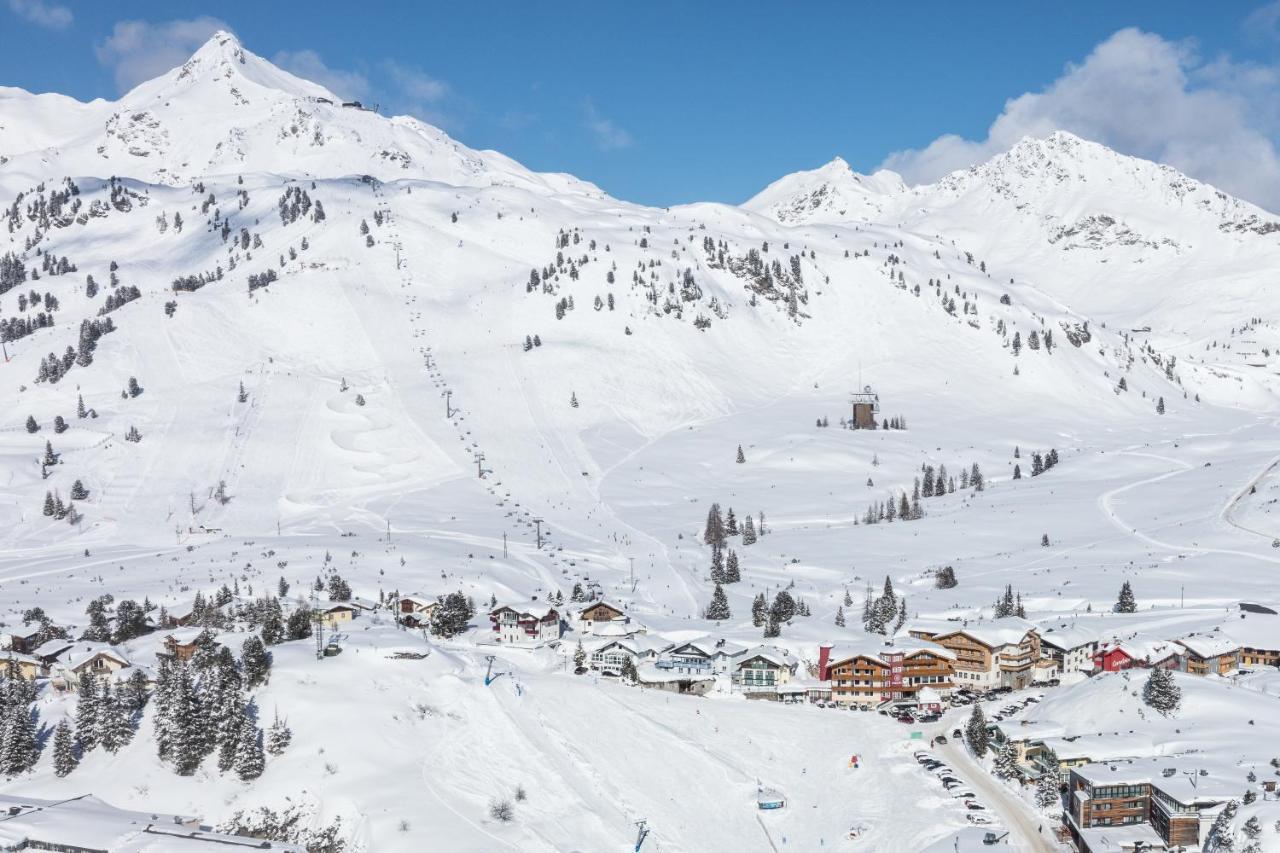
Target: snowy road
<point x="1029" y="832"/>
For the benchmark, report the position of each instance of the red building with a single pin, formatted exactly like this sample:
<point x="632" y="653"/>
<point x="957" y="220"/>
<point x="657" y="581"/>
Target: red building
<point x="1114" y="657"/>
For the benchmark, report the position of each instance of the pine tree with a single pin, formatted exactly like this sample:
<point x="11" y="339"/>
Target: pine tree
<point x="840" y="617"/>
<point x="115" y="722"/>
<point x="748" y="532"/>
<point x="1161" y="691"/>
<point x="250" y="761"/>
<point x="255" y="663"/>
<point x="279" y="736"/>
<point x="1159" y="407"/>
<point x="718" y="609"/>
<point x="579" y="657"/>
<point x="758" y="609"/>
<point x="64" y="750"/>
<point x="19" y="750"/>
<point x="1047" y="794"/>
<point x="87" y="711"/>
<point x="731" y="572"/>
<point x="975" y="732"/>
<point x="713" y="533"/>
<point x="717" y="566"/>
<point x="1006" y="761"/>
<point x="629" y="669"/>
<point x="902" y="616"/>
<point x="1126" y="603"/>
<point x="32" y="426"/>
<point x="742" y="457"/>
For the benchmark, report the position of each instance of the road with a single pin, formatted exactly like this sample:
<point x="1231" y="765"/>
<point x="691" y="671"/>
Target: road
<point x="1027" y="831"/>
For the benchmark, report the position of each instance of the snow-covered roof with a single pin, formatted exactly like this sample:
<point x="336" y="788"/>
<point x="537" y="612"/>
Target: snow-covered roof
<point x="187" y="636"/>
<point x="419" y="599"/>
<point x="1067" y="637"/>
<point x="1122" y="837"/>
<point x="590" y="604"/>
<point x="1019" y="730"/>
<point x="652" y="675"/>
<point x="711" y="647"/>
<point x="52" y="648"/>
<point x="5" y="657"/>
<point x="1112" y="773"/>
<point x="771" y="654"/>
<point x="1008" y="631"/>
<point x="876" y="650"/>
<point x="1099" y="747"/>
<point x="639" y="644"/>
<point x="1209" y="645"/>
<point x="617" y="628"/>
<point x="83" y="652"/>
<point x="88" y="823"/>
<point x="22" y="632"/>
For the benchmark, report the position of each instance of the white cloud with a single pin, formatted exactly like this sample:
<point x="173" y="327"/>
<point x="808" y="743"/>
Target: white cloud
<point x="53" y="16"/>
<point x="608" y="135"/>
<point x="307" y="64"/>
<point x="1142" y="95"/>
<point x="139" y="50"/>
<point x="415" y="85"/>
<point x="1263" y="22"/>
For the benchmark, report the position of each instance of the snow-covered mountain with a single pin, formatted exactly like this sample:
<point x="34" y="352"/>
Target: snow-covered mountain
<point x="228" y="111"/>
<point x="832" y="193"/>
<point x="1116" y="237"/>
<point x="250" y="331"/>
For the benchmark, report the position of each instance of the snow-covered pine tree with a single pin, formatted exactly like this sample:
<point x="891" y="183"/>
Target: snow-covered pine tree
<point x="279" y="736"/>
<point x="742" y="457"/>
<point x="975" y="732"/>
<point x="1047" y="793"/>
<point x="748" y="532"/>
<point x="87" y="711"/>
<point x="1006" y="761"/>
<point x="717" y="566"/>
<point x="732" y="574"/>
<point x="249" y="761"/>
<point x="759" y="608"/>
<point x="115" y="721"/>
<point x="718" y="609"/>
<point x="1161" y="692"/>
<point x="19" y="750"/>
<point x="64" y="749"/>
<point x="255" y="663"/>
<point x="1126" y="602"/>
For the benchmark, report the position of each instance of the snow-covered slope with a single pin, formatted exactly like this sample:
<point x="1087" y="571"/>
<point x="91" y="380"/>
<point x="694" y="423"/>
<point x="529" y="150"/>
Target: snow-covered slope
<point x="380" y="342"/>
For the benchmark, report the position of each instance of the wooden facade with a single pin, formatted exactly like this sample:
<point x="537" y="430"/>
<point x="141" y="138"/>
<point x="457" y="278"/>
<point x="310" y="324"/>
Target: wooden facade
<point x="868" y="679"/>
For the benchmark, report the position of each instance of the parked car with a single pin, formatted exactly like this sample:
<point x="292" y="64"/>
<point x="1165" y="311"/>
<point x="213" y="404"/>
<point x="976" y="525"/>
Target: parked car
<point x="975" y="807"/>
<point x="906" y="718"/>
<point x="940" y="739"/>
<point x="957" y="733"/>
<point x="978" y="819"/>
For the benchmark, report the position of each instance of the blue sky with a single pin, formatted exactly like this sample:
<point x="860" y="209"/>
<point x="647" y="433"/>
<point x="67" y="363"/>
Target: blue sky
<point x="665" y="103"/>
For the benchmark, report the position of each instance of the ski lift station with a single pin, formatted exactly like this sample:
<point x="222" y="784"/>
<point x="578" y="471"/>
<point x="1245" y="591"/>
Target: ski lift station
<point x="866" y="403"/>
<point x="769" y="798"/>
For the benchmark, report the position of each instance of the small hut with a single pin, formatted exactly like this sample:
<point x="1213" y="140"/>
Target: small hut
<point x="866" y="403"/>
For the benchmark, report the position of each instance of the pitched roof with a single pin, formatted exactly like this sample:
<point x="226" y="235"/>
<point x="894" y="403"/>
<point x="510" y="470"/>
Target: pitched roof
<point x="1209" y="645"/>
<point x="1067" y="637"/>
<point x="772" y="654"/>
<point x="84" y="651"/>
<point x="52" y="648"/>
<point x="877" y="651"/>
<point x="593" y="604"/>
<point x="995" y="633"/>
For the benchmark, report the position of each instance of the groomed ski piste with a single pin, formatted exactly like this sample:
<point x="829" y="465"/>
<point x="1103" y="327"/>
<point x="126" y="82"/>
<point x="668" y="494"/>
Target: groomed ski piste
<point x="616" y="432"/>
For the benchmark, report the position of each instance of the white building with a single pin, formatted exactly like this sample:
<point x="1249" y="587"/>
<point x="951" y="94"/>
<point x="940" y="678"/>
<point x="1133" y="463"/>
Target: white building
<point x="1071" y="648"/>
